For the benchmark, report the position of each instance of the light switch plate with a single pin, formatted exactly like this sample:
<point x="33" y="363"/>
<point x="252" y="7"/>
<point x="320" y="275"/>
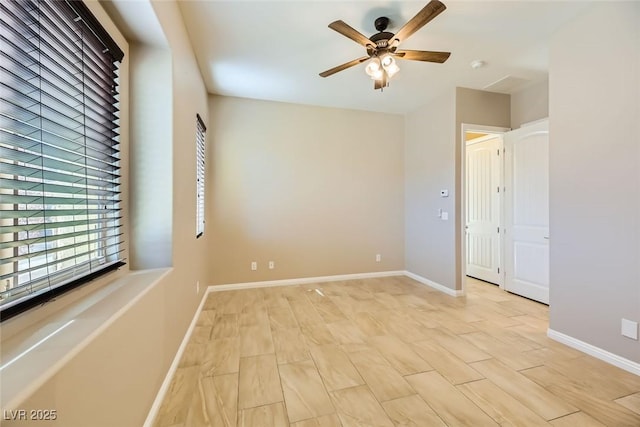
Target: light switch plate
<point x="629" y="329"/>
<point x="445" y="216"/>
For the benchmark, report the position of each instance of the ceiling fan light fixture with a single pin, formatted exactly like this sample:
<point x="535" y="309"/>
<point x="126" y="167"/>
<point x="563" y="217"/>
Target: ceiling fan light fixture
<point x="387" y="60"/>
<point x="389" y="65"/>
<point x="382" y="47"/>
<point x="374" y="69"/>
<point x="391" y="69"/>
<point x="377" y="75"/>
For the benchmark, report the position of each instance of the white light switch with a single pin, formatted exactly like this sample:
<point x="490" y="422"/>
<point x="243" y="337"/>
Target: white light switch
<point x="445" y="216"/>
<point x="629" y="329"/>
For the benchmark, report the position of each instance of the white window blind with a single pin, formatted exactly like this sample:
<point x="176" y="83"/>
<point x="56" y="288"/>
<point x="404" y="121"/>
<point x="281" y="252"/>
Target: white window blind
<point x="200" y="144"/>
<point x="60" y="213"/>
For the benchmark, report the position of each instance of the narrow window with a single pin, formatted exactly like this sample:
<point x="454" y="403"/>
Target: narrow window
<point x="200" y="144"/>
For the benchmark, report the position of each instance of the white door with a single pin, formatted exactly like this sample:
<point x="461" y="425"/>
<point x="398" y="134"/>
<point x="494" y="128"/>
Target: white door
<point x="527" y="211"/>
<point x="483" y="208"/>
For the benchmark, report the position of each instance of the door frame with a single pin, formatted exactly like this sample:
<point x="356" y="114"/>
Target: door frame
<point x="468" y="127"/>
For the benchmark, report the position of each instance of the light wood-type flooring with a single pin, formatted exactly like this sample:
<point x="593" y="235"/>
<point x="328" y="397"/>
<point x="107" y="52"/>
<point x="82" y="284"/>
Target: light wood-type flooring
<point x="388" y="352"/>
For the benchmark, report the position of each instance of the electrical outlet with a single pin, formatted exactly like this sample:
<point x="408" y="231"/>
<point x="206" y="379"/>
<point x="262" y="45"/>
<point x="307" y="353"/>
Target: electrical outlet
<point x="378" y="257"/>
<point x="254" y="266"/>
<point x="272" y="265"/>
<point x="629" y="329"/>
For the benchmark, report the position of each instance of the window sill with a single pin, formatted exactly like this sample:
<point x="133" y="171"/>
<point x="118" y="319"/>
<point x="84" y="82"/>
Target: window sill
<point x="34" y="355"/>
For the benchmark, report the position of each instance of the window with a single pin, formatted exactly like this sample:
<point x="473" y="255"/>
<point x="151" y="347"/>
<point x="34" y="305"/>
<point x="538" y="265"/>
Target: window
<point x="200" y="132"/>
<point x="60" y="216"/>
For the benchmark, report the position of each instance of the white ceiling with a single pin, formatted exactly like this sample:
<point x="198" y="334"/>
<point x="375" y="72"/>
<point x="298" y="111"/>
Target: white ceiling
<point x="274" y="50"/>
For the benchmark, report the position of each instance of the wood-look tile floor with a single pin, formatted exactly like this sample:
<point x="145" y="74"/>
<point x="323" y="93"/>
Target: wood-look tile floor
<point x="388" y="352"/>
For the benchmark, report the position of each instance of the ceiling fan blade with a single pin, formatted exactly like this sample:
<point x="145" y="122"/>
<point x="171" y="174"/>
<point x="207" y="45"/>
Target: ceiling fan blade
<point x="343" y="66"/>
<point x="348" y="31"/>
<point x="423" y="55"/>
<point x="430" y="11"/>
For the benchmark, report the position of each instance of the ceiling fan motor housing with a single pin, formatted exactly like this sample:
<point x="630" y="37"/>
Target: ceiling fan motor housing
<point x="382" y="38"/>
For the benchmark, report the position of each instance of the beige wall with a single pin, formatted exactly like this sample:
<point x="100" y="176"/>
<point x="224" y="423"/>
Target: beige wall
<point x="319" y="191"/>
<point x="151" y="213"/>
<point x="433" y="156"/>
<point x="595" y="177"/>
<point x="529" y="104"/>
<point x="430" y="167"/>
<point x="114" y="380"/>
<point x="189" y="97"/>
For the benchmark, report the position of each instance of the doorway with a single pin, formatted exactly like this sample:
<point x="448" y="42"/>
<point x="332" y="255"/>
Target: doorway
<point x="507" y="245"/>
<point x="483" y="216"/>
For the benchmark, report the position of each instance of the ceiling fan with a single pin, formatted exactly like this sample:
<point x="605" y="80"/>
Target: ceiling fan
<point x="382" y="47"/>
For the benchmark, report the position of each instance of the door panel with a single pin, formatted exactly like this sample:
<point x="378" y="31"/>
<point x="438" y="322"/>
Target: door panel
<point x="527" y="211"/>
<point x="483" y="209"/>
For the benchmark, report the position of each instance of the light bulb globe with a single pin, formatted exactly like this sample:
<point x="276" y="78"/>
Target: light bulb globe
<point x="373" y="67"/>
<point x="392" y="69"/>
<point x="387" y="60"/>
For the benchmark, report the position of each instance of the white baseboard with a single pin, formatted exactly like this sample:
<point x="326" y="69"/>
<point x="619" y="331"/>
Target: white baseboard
<point x="153" y="412"/>
<point x="302" y="281"/>
<point x="434" y="285"/>
<point x="613" y="359"/>
<point x="336" y="278"/>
